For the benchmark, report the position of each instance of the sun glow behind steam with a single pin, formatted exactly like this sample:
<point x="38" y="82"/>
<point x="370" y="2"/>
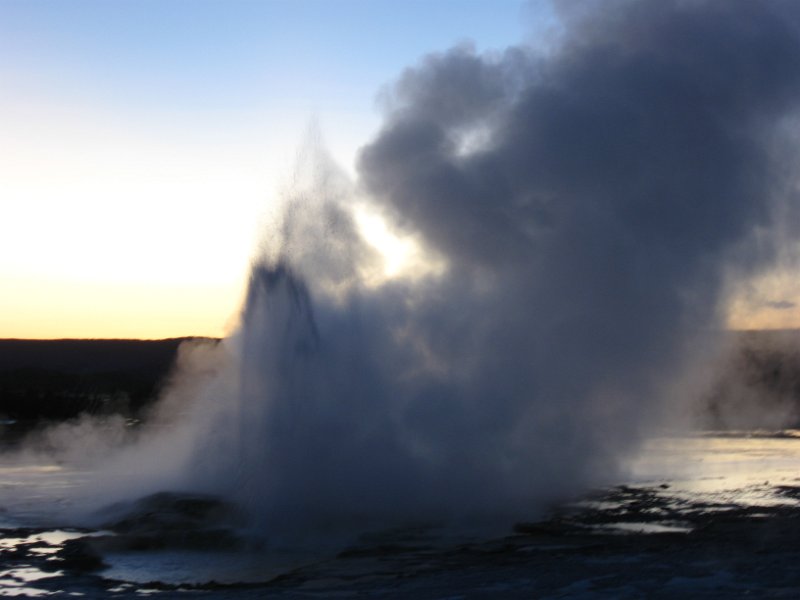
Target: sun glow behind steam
<point x="402" y="256"/>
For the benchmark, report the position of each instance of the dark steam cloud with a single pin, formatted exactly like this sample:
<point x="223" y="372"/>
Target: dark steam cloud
<point x="589" y="204"/>
<point x="780" y="304"/>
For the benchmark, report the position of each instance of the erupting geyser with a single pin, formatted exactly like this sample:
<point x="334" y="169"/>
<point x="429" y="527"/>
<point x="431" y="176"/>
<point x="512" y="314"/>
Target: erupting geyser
<point x="588" y="205"/>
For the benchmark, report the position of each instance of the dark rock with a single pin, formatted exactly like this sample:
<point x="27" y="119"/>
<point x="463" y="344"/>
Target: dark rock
<point x="79" y="555"/>
<point x="174" y="520"/>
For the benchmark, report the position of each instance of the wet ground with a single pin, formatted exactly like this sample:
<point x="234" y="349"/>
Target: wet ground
<point x="721" y="521"/>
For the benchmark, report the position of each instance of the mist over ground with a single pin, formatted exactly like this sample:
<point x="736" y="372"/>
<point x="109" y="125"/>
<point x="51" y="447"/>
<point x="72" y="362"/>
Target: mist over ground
<point x="587" y="207"/>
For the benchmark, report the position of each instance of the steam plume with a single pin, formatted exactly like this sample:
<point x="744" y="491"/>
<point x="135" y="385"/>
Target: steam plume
<point x="589" y="205"/>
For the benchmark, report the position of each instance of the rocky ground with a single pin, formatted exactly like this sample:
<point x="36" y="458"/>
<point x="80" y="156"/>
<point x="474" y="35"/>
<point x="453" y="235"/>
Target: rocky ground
<point x="628" y="542"/>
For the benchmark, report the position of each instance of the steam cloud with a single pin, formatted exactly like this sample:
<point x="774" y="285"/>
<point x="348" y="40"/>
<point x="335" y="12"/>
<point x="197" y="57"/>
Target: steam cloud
<point x="589" y="203"/>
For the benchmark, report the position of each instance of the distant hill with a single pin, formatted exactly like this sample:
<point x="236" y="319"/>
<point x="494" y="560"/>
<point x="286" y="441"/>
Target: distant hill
<point x="756" y="382"/>
<point x="60" y="379"/>
<point x="88" y="356"/>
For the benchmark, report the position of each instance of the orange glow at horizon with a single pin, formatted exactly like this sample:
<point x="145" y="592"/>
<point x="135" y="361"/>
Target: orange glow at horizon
<point x="769" y="300"/>
<point x="64" y="309"/>
<point x="37" y="308"/>
<point x="763" y="319"/>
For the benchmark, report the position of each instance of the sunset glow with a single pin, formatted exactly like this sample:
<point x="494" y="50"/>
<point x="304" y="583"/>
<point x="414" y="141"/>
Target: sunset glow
<point x="143" y="143"/>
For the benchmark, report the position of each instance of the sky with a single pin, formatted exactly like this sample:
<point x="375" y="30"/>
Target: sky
<point x="142" y="143"/>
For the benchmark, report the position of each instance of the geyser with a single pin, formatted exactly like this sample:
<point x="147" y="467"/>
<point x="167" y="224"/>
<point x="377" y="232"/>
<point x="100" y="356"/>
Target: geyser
<point x="588" y="205"/>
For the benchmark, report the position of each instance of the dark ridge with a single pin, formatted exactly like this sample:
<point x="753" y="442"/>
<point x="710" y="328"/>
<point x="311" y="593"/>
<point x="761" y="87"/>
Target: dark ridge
<point x="756" y="382"/>
<point x="54" y="380"/>
<point x="88" y="355"/>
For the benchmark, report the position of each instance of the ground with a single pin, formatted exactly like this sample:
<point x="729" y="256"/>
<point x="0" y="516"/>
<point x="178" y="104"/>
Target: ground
<point x="627" y="542"/>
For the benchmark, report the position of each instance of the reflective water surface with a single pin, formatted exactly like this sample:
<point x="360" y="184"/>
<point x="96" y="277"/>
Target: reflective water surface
<point x="709" y="488"/>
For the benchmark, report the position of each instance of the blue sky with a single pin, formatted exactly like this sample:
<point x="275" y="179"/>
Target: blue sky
<point x="141" y="141"/>
<point x="156" y="60"/>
